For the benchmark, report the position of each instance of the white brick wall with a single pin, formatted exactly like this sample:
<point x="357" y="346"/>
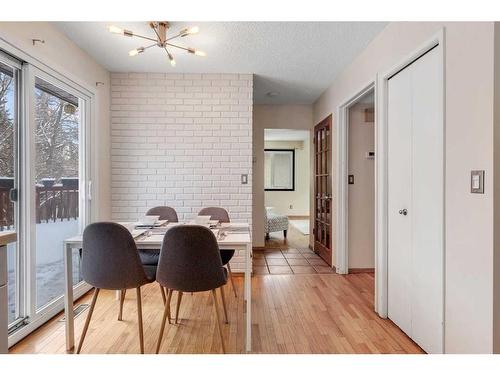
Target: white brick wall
<point x="181" y="140"/>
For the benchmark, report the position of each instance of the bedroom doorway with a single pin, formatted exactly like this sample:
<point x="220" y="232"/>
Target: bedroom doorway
<point x="286" y="183"/>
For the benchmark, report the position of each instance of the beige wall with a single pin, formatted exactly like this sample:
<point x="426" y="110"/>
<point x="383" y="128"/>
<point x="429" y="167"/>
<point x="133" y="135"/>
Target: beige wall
<point x="496" y="255"/>
<point x="63" y="56"/>
<point x="469" y="145"/>
<point x="361" y="204"/>
<point x="299" y="198"/>
<point x="271" y="117"/>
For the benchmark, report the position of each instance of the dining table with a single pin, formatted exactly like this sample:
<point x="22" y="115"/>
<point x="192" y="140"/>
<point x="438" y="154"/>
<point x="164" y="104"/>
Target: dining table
<point x="229" y="236"/>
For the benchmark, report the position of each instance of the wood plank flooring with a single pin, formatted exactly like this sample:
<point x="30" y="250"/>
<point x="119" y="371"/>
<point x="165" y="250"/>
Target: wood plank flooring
<point x="292" y="313"/>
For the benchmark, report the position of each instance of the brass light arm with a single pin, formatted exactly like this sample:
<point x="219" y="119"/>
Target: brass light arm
<point x="180" y="47"/>
<point x="145" y="37"/>
<point x="173" y="37"/>
<point x="158" y="40"/>
<point x="152" y="45"/>
<point x="169" y="54"/>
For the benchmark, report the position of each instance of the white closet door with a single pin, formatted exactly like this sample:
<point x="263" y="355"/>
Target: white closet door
<point x="427" y="213"/>
<point x="399" y="198"/>
<point x="415" y="183"/>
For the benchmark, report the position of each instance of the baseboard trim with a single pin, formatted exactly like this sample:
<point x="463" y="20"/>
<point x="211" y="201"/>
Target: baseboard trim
<point x="361" y="270"/>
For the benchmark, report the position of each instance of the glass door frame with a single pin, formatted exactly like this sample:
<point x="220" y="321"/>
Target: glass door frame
<point x="20" y="286"/>
<point x="64" y="79"/>
<point x="84" y="100"/>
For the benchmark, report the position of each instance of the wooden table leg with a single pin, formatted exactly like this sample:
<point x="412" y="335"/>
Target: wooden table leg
<point x="248" y="297"/>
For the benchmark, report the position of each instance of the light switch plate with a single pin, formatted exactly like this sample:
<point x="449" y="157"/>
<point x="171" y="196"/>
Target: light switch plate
<point x="477" y="182"/>
<point x="244" y="179"/>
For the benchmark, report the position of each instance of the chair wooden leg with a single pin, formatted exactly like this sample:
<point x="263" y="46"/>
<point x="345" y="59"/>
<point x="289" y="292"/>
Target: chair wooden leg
<point x="170" y="292"/>
<point x="166" y="313"/>
<point x="231" y="279"/>
<point x="164" y="299"/>
<point x="139" y="318"/>
<point x="224" y="303"/>
<point x="179" y="299"/>
<point x="87" y="321"/>
<point x="219" y="325"/>
<point x="122" y="299"/>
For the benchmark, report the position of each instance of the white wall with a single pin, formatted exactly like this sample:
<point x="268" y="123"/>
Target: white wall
<point x="65" y="57"/>
<point x="299" y="198"/>
<point x="361" y="195"/>
<point x="181" y="140"/>
<point x="293" y="116"/>
<point x="469" y="145"/>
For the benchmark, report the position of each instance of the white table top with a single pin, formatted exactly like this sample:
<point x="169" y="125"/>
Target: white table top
<point x="236" y="234"/>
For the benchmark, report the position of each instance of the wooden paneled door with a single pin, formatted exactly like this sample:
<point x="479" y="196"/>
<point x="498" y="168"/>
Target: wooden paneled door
<point x="323" y="189"/>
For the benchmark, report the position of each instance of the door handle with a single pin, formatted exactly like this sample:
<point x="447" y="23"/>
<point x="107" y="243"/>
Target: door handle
<point x="13" y="195"/>
<point x="403" y="212"/>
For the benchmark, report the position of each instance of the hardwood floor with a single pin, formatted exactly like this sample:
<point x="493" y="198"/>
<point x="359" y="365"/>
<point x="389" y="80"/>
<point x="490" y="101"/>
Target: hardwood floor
<point x="292" y="313"/>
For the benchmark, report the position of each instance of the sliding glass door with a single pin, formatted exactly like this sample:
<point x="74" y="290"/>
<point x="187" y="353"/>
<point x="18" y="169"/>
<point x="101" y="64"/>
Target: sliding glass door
<point x="56" y="189"/>
<point x="9" y="157"/>
<point x="44" y="186"/>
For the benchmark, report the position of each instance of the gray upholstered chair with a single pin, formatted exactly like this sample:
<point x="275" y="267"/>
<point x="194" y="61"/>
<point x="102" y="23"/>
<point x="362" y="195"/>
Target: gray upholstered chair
<point x="150" y="257"/>
<point x="165" y="213"/>
<point x="219" y="213"/>
<point x="190" y="262"/>
<point x="110" y="261"/>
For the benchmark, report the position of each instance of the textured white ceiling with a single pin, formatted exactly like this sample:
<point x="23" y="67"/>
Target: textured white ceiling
<point x="285" y="135"/>
<point x="299" y="60"/>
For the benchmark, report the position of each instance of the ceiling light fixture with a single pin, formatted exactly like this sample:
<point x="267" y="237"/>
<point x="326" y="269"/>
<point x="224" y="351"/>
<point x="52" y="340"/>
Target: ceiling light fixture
<point x="161" y="40"/>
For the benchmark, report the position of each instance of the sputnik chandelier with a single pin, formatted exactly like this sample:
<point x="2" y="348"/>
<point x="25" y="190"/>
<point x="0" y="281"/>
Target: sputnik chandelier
<point x="160" y="28"/>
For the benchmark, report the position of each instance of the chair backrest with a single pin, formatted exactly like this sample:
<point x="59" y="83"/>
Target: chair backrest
<point x="110" y="259"/>
<point x="165" y="213"/>
<point x="190" y="260"/>
<point x="216" y="213"/>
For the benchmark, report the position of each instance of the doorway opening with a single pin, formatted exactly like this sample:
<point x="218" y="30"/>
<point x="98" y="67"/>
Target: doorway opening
<point x="286" y="184"/>
<point x="355" y="185"/>
<point x="361" y="184"/>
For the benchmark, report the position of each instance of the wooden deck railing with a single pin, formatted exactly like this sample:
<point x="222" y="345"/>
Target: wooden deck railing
<point x="52" y="204"/>
<point x="6" y="209"/>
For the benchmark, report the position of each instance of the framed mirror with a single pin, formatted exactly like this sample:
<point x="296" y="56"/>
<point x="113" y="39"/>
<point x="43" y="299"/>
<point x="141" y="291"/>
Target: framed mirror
<point x="279" y="169"/>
